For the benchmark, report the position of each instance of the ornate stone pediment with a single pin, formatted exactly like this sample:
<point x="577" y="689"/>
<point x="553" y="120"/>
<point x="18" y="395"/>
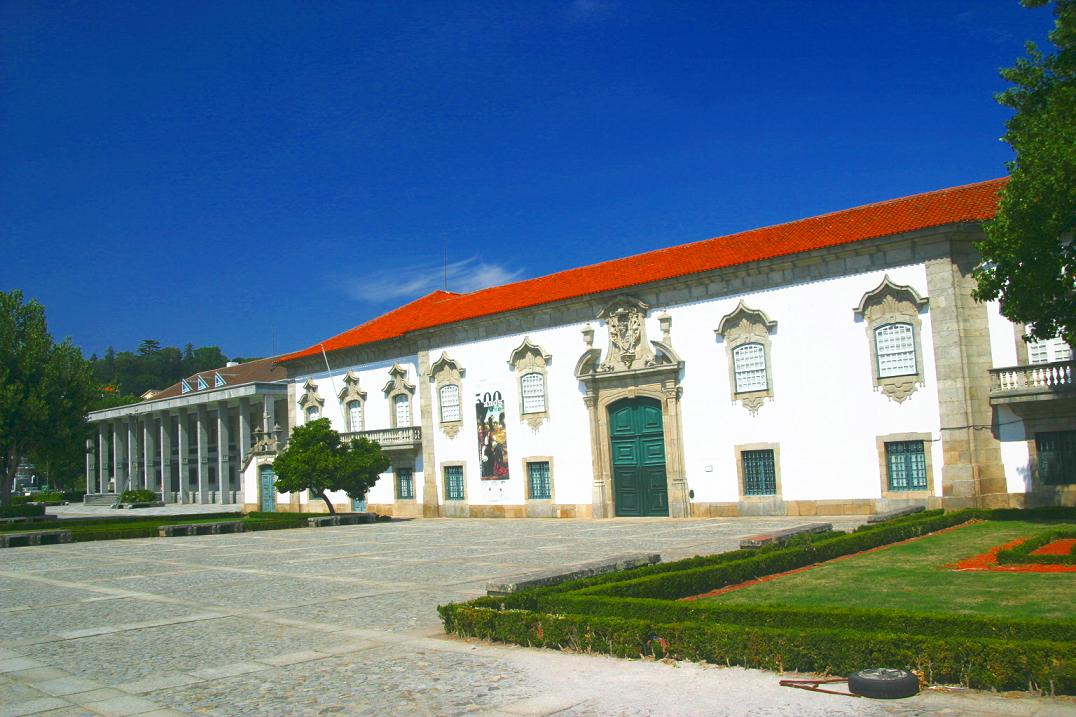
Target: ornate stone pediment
<point x="628" y="347"/>
<point x="310" y="396"/>
<point x="351" y="390"/>
<point x="398" y="382"/>
<point x="527" y="356"/>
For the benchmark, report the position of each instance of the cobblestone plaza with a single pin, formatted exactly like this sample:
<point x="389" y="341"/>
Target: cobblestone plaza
<point x="342" y="621"/>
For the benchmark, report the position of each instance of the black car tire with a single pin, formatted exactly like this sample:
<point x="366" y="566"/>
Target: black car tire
<point x="882" y="683"/>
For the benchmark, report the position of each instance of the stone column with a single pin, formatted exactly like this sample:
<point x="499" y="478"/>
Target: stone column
<point x="972" y="473"/>
<point x="133" y="454"/>
<point x="149" y="429"/>
<point x="183" y="454"/>
<point x="224" y="466"/>
<point x="91" y="480"/>
<point x="167" y="484"/>
<point x="430" y="502"/>
<point x="119" y="457"/>
<point x="242" y="444"/>
<point x="102" y="458"/>
<point x="203" y="455"/>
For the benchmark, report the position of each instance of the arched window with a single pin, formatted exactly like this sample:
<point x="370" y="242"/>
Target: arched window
<point x="895" y="347"/>
<point x="533" y="389"/>
<point x="450" y="402"/>
<point x="313" y="413"/>
<point x="354" y="416"/>
<point x="403" y="410"/>
<point x="749" y="367"/>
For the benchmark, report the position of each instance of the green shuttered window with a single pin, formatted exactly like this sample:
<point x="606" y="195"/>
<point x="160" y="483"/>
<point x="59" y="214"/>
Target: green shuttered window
<point x="405" y="484"/>
<point x="759" y="473"/>
<point x="453" y="482"/>
<point x="906" y="463"/>
<point x="1057" y="457"/>
<point x="538" y="480"/>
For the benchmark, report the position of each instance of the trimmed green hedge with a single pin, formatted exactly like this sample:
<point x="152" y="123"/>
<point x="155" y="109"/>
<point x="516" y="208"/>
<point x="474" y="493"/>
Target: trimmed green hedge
<point x="635" y="613"/>
<point x="1021" y="554"/>
<point x="21" y="511"/>
<point x="139" y="495"/>
<point x="978" y="662"/>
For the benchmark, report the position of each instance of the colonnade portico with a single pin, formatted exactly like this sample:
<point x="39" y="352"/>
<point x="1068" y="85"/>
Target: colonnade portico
<point x="187" y="448"/>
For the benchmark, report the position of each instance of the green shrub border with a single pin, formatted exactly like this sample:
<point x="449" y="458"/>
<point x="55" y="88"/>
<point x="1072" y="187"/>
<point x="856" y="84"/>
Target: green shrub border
<point x="636" y="613"/>
<point x="1021" y="554"/>
<point x="21" y="511"/>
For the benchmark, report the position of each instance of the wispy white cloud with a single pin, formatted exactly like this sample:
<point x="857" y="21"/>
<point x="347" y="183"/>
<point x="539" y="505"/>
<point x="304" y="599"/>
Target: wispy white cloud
<point x="409" y="282"/>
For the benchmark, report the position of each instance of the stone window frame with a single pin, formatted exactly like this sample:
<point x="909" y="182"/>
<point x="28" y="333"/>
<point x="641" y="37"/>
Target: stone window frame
<point x="399" y="386"/>
<point x="396" y="483"/>
<point x="778" y="494"/>
<point x="742" y="326"/>
<point x="351" y="392"/>
<point x="891" y="303"/>
<point x="528" y="358"/>
<point x="527" y="460"/>
<point x="462" y="465"/>
<point x="311" y="399"/>
<point x="446" y="371"/>
<point x="883" y="466"/>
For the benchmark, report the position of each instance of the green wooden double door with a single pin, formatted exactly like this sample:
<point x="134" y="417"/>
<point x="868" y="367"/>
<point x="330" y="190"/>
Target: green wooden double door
<point x="638" y="451"/>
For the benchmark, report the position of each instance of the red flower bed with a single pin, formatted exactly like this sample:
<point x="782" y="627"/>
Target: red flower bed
<point x="989" y="560"/>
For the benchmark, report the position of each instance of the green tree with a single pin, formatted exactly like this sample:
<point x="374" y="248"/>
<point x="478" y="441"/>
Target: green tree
<point x="45" y="389"/>
<point x="1029" y="254"/>
<point x="317" y="461"/>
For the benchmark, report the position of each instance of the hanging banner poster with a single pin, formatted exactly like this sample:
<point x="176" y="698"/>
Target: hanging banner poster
<point x="492" y="441"/>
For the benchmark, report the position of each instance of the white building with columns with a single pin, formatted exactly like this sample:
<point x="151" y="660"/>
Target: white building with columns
<point x="189" y="442"/>
<point x="832" y="365"/>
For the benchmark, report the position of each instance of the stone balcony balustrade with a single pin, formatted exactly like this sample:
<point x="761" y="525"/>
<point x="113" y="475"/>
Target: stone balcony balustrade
<point x="407" y="438"/>
<point x="1034" y="382"/>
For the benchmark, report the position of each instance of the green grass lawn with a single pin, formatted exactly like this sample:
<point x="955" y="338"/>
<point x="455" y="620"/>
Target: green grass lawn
<point x="911" y="577"/>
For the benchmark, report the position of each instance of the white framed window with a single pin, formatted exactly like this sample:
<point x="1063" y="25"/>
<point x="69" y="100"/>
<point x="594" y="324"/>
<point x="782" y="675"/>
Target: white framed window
<point x="749" y="367"/>
<point x="1048" y="351"/>
<point x="895" y="348"/>
<point x="450" y="402"/>
<point x="533" y="389"/>
<point x="313" y="413"/>
<point x="354" y="416"/>
<point x="402" y="405"/>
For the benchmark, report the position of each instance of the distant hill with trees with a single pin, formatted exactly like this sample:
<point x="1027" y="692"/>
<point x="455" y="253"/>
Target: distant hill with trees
<point x="126" y="375"/>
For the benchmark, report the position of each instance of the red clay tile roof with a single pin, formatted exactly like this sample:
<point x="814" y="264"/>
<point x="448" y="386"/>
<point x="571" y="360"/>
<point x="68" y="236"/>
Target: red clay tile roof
<point x="968" y="203"/>
<point x="261" y="370"/>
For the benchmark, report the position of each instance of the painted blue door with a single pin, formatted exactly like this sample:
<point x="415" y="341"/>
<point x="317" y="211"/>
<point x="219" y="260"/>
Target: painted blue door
<point x="638" y="450"/>
<point x="268" y="489"/>
<point x="359" y="504"/>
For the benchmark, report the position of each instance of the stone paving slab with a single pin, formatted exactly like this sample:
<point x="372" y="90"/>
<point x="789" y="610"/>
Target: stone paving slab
<point x="343" y="621"/>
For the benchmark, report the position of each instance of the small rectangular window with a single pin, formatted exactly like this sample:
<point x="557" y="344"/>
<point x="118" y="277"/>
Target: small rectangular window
<point x="450" y="403"/>
<point x="749" y="366"/>
<point x="403" y="411"/>
<point x="906" y="464"/>
<point x="895" y="346"/>
<point x="453" y="482"/>
<point x="1057" y="457"/>
<point x="759" y="473"/>
<point x="405" y="484"/>
<point x="538" y="480"/>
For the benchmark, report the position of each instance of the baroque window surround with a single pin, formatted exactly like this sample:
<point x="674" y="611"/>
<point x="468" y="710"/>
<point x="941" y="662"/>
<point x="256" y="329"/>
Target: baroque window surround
<point x="311" y="399"/>
<point x="350" y="393"/>
<point x="447" y="372"/>
<point x="890" y="303"/>
<point x="398" y="386"/>
<point x="740" y="328"/>
<point x="529" y="358"/>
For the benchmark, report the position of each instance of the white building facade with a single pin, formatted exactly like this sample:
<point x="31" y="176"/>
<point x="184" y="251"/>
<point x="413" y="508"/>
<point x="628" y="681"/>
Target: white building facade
<point x="835" y="365"/>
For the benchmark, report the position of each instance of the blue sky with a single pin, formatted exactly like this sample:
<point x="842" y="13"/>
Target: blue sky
<point x="263" y="174"/>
